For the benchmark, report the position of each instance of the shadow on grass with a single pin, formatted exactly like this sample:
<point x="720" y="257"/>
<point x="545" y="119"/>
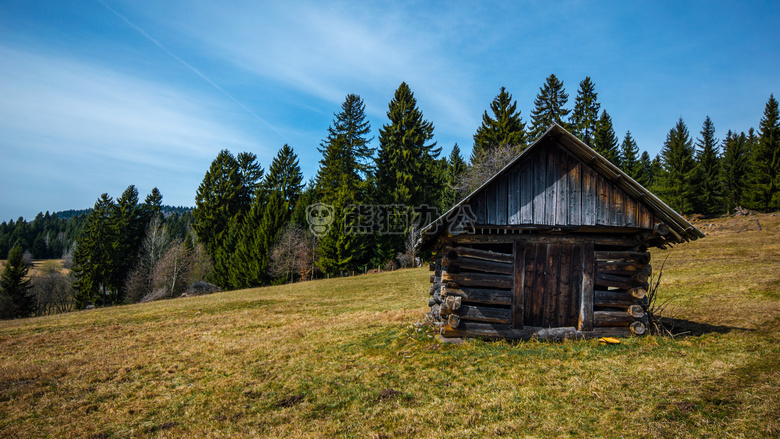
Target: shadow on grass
<point x="682" y="328"/>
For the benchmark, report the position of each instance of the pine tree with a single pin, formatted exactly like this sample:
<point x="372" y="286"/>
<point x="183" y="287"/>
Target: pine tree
<point x="734" y="169"/>
<point x="628" y="156"/>
<point x="95" y="255"/>
<point x="406" y="164"/>
<point x="345" y="152"/>
<point x="455" y="167"/>
<point x="706" y="179"/>
<point x="218" y="206"/>
<point x="153" y="202"/>
<point x="764" y="189"/>
<point x="506" y="127"/>
<point x="643" y="170"/>
<point x="548" y="107"/>
<point x="674" y="184"/>
<point x="284" y="176"/>
<point x="129" y="221"/>
<point x="15" y="298"/>
<point x="342" y="247"/>
<point x="586" y="112"/>
<point x="250" y="175"/>
<point x="605" y="142"/>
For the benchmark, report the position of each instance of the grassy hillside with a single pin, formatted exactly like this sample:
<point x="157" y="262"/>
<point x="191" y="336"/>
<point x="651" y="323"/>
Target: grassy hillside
<point x="343" y="358"/>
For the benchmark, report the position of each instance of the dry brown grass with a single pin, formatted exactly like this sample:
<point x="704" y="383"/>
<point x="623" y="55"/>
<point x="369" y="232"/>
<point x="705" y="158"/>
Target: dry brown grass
<point x="342" y="358"/>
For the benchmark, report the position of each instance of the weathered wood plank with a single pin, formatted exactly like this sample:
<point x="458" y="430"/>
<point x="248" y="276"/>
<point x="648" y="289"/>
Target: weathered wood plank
<point x="456" y="252"/>
<point x="551" y="190"/>
<point x="617" y="200"/>
<point x="613" y="318"/>
<point x="611" y="240"/>
<point x="540" y="185"/>
<point x="564" y="287"/>
<point x="513" y="194"/>
<point x="518" y="287"/>
<point x="526" y="192"/>
<point x="562" y="189"/>
<point x="497" y="331"/>
<point x="467" y="263"/>
<point x="531" y="254"/>
<point x="502" y="200"/>
<point x="478" y="280"/>
<point x="552" y="268"/>
<point x="589" y="196"/>
<point x="540" y="278"/>
<point x="623" y="267"/>
<point x="478" y="207"/>
<point x="614" y="299"/>
<point x="491" y="195"/>
<point x="623" y="256"/>
<point x="631" y="210"/>
<point x="575" y="192"/>
<point x="585" y="322"/>
<point x="603" y="206"/>
<point x="485" y="296"/>
<point x="608" y="280"/>
<point x="575" y="284"/>
<point x="485" y="314"/>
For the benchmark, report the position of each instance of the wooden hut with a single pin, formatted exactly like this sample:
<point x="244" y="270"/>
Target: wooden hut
<point x="553" y="246"/>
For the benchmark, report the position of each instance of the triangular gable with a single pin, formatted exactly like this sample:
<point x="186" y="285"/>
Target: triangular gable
<point x="559" y="167"/>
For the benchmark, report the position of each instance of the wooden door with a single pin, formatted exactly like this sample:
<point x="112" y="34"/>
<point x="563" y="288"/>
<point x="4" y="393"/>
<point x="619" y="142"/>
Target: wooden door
<point x="553" y="284"/>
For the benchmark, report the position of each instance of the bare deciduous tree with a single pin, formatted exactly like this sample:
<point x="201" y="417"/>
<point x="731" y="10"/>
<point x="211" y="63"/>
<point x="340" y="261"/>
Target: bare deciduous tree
<point x="53" y="292"/>
<point x="293" y="254"/>
<point x="484" y="165"/>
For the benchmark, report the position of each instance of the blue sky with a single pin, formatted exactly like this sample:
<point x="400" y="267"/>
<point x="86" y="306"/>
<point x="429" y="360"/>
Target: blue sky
<point x="96" y="95"/>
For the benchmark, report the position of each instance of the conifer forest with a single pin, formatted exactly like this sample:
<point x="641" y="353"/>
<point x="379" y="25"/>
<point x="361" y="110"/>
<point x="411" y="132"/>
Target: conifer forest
<point x="260" y="222"/>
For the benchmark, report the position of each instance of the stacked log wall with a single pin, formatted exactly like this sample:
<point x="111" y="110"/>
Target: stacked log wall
<point x="472" y="289"/>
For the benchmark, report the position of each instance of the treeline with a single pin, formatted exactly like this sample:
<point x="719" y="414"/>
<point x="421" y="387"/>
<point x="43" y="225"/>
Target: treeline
<point x="366" y="204"/>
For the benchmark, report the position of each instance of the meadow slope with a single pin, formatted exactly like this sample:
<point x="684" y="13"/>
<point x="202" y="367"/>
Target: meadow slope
<point x="343" y="358"/>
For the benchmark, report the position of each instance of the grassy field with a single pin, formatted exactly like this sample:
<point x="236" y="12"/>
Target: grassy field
<point x="344" y="358"/>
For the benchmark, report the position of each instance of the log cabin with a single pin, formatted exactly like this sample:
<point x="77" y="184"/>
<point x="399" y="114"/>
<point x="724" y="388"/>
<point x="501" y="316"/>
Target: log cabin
<point x="553" y="246"/>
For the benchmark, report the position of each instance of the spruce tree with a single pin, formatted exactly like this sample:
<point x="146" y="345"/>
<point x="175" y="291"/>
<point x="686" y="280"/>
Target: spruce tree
<point x="406" y="168"/>
<point x="628" y="156"/>
<point x="674" y="184"/>
<point x="734" y="169"/>
<point x="95" y="255"/>
<point x="129" y="220"/>
<point x="586" y="112"/>
<point x="342" y="247"/>
<point x="345" y="152"/>
<point x="284" y="176"/>
<point x="548" y="107"/>
<point x="250" y="175"/>
<point x="15" y="298"/>
<point x="765" y="182"/>
<point x="506" y="127"/>
<point x="643" y="170"/>
<point x="455" y="167"/>
<point x="153" y="203"/>
<point x="218" y="207"/>
<point x="706" y="183"/>
<point x="605" y="142"/>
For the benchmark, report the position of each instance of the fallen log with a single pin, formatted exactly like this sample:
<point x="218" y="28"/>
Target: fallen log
<point x="491" y="331"/>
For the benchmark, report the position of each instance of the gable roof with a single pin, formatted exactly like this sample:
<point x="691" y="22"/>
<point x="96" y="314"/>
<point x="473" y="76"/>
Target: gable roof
<point x="680" y="229"/>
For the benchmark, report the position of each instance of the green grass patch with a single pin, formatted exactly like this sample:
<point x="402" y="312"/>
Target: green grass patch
<point x="345" y="358"/>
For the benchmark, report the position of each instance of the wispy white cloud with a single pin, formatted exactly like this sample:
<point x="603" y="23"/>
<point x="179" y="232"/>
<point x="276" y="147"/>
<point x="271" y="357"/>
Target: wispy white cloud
<point x="78" y="125"/>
